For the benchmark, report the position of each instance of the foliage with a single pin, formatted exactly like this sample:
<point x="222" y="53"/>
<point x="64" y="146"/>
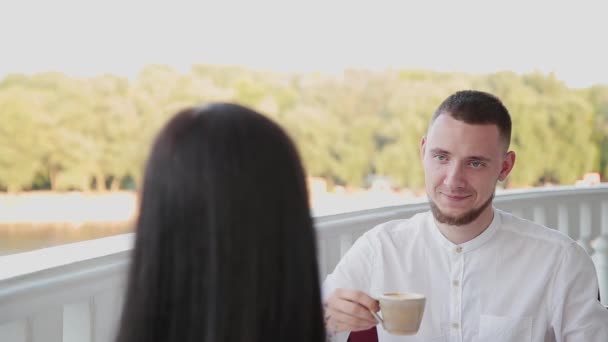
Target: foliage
<point x="62" y="133"/>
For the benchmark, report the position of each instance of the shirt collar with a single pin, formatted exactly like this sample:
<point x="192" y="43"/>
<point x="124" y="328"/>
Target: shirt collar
<point x="468" y="246"/>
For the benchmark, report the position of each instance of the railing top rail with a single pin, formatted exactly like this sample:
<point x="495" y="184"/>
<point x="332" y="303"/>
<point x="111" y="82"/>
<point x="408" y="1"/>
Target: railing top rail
<point x="20" y="264"/>
<point x="566" y="190"/>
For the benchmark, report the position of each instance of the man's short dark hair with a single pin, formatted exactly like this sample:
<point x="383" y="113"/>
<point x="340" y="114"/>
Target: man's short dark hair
<point x="477" y="108"/>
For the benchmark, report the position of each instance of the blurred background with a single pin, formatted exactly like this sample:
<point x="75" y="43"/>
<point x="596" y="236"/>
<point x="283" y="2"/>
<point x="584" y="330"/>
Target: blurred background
<point x="85" y="85"/>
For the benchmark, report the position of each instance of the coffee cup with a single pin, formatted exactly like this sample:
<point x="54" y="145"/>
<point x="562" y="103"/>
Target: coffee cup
<point x="401" y="312"/>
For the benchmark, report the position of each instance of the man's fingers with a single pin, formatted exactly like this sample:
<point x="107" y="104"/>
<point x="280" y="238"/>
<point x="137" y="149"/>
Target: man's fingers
<point x="337" y="321"/>
<point x="358" y="297"/>
<point x="349" y="310"/>
<point x="353" y="309"/>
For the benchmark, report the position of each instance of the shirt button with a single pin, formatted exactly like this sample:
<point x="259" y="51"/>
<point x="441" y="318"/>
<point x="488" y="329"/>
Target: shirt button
<point x="458" y="249"/>
<point x="455" y="283"/>
<point x="455" y="325"/>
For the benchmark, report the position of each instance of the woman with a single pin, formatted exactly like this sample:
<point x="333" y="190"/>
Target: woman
<point x="225" y="245"/>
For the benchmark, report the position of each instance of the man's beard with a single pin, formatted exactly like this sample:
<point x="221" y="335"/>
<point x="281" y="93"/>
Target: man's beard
<point x="461" y="220"/>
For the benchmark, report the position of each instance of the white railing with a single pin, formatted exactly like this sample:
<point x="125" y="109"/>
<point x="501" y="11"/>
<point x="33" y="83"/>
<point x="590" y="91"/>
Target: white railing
<point x="73" y="293"/>
<point x="69" y="293"/>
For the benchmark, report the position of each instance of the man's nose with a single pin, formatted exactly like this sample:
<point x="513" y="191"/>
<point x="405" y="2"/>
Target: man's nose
<point x="454" y="177"/>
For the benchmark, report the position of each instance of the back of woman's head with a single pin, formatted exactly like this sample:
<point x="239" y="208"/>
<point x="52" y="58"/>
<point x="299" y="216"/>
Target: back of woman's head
<point x="225" y="247"/>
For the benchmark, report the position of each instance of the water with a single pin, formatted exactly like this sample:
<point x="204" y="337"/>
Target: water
<point x="117" y="210"/>
<point x="23" y="237"/>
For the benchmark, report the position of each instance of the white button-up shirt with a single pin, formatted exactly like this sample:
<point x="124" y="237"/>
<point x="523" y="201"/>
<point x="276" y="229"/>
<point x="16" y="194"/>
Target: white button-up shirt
<point x="517" y="281"/>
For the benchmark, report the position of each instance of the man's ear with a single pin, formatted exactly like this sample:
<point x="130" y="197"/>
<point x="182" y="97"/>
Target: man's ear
<point x="507" y="166"/>
<point x="422" y="146"/>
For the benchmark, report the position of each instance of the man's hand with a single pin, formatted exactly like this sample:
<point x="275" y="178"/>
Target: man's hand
<point x="349" y="310"/>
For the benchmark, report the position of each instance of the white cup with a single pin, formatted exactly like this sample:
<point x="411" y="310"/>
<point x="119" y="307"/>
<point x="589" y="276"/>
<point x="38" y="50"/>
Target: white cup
<point x="401" y="312"/>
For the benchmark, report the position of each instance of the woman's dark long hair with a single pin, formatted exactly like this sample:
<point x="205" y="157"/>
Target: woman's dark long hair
<point x="225" y="245"/>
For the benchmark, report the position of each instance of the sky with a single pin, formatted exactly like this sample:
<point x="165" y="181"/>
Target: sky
<point x="91" y="37"/>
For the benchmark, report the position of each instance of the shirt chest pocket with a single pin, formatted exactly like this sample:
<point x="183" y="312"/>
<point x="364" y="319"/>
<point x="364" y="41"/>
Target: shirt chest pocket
<point x="505" y="329"/>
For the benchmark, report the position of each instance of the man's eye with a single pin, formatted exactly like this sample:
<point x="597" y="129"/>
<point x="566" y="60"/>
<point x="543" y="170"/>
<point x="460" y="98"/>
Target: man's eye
<point x="476" y="164"/>
<point x="440" y="157"/>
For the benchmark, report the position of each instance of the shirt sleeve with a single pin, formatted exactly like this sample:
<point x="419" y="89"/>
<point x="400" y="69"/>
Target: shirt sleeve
<point x="578" y="315"/>
<point x="354" y="271"/>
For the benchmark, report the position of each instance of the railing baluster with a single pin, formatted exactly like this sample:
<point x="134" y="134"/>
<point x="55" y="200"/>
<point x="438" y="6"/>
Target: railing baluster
<point x="585" y="227"/>
<point x="539" y="215"/>
<point x="77" y="322"/>
<point x="106" y="310"/>
<point x="14" y="331"/>
<point x="562" y="219"/>
<point x="600" y="257"/>
<point x="346" y="241"/>
<point x="323" y="246"/>
<point x="46" y="326"/>
<point x="333" y="253"/>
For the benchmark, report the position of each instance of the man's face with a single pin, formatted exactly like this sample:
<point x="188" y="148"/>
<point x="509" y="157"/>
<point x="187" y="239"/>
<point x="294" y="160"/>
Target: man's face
<point x="462" y="163"/>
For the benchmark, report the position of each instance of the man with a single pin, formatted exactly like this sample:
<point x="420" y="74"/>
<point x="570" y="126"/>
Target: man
<point x="487" y="275"/>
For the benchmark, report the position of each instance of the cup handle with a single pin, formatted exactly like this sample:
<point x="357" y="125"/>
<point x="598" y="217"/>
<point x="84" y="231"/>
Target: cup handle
<point x="377" y="317"/>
